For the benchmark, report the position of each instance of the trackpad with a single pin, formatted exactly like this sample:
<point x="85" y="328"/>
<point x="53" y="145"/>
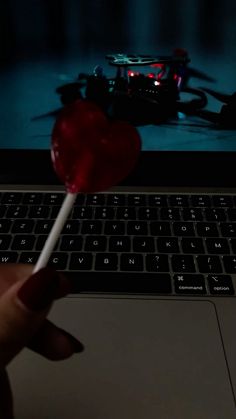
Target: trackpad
<point x="143" y="359"/>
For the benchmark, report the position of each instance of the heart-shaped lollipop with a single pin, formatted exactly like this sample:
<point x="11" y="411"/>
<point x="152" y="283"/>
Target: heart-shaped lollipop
<point x="90" y="154"/>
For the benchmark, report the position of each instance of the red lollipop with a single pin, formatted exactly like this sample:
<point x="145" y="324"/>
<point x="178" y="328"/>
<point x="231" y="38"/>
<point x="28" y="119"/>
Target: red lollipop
<point x="90" y="153"/>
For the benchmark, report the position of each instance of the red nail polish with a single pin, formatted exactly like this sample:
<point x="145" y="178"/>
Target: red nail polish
<point x="39" y="291"/>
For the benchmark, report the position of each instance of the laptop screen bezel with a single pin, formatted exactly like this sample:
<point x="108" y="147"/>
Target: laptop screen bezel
<point x="162" y="169"/>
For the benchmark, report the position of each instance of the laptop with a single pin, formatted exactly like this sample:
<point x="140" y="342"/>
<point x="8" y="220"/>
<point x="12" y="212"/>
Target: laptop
<point x="151" y="261"/>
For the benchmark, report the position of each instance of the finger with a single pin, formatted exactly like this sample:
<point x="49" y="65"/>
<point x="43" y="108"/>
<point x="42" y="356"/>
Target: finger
<point x="12" y="273"/>
<point x="6" y="401"/>
<point x="23" y="309"/>
<point x="54" y="343"/>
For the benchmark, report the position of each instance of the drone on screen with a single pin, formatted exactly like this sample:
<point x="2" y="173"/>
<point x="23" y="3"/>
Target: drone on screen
<point x="145" y="89"/>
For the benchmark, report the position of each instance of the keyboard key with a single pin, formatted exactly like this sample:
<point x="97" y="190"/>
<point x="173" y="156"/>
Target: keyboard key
<point x="157" y="263"/>
<point x="43" y="226"/>
<point x="32" y="198"/>
<point x="128" y="213"/>
<point x="81" y="261"/>
<point x="23" y="226"/>
<point x="183" y="263"/>
<point x="136" y="200"/>
<point x="53" y="198"/>
<point x="220" y="284"/>
<point x="11" y="198"/>
<point x="178" y="201"/>
<point x="95" y="243"/>
<point x="200" y="201"/>
<point x="167" y="245"/>
<point x="229" y="264"/>
<point x="114" y="228"/>
<point x="116" y="200"/>
<point x="119" y="244"/>
<point x="192" y="214"/>
<point x="219" y="246"/>
<point x="222" y="201"/>
<point x="160" y="228"/>
<point x="58" y="260"/>
<point x="5" y="240"/>
<point x="91" y="227"/>
<point x="170" y="214"/>
<point x="82" y="213"/>
<point x="131" y="262"/>
<point x="189" y="284"/>
<point x="207" y="229"/>
<point x="215" y="214"/>
<point x="71" y="227"/>
<point x="29" y="257"/>
<point x="137" y="228"/>
<point x="106" y="262"/>
<point x="5" y="226"/>
<point x="39" y="211"/>
<point x="143" y="244"/>
<point x="228" y="229"/>
<point x="147" y="213"/>
<point x="157" y="200"/>
<point x="192" y="245"/>
<point x="95" y="199"/>
<point x="8" y="257"/>
<point x="23" y="242"/>
<point x="104" y="213"/>
<point x="209" y="264"/>
<point x="183" y="229"/>
<point x="71" y="243"/>
<point x="17" y="211"/>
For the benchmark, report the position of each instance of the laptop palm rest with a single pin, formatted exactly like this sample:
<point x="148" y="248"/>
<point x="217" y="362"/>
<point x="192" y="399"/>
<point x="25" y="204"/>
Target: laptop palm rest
<point x="143" y="359"/>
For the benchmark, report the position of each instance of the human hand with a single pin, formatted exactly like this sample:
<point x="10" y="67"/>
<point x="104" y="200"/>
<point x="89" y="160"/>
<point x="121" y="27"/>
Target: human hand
<point x="25" y="302"/>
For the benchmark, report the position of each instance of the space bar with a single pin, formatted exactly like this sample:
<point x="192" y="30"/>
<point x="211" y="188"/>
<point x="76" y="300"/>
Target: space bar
<point x="121" y="282"/>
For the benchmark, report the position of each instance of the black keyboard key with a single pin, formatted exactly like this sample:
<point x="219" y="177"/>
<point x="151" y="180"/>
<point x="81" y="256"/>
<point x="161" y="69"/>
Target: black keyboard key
<point x="120" y="282"/>
<point x="71" y="243"/>
<point x="95" y="243"/>
<point x="23" y="226"/>
<point x="220" y="284"/>
<point x="119" y="244"/>
<point x="233" y="245"/>
<point x="143" y="244"/>
<point x="114" y="228"/>
<point x="192" y="214"/>
<point x="189" y="284"/>
<point x="104" y="213"/>
<point x="5" y="240"/>
<point x="183" y="263"/>
<point x="215" y="214"/>
<point x="82" y="213"/>
<point x="147" y="213"/>
<point x="178" y="201"/>
<point x="11" y="198"/>
<point x="81" y="261"/>
<point x="5" y="226"/>
<point x="183" y="229"/>
<point x="116" y="200"/>
<point x="172" y="214"/>
<point x="32" y="198"/>
<point x="29" y="257"/>
<point x="231" y="214"/>
<point x="157" y="263"/>
<point x="95" y="199"/>
<point x="91" y="227"/>
<point x="3" y="209"/>
<point x="168" y="245"/>
<point x="131" y="262"/>
<point x="222" y="201"/>
<point x="201" y="201"/>
<point x="126" y="213"/>
<point x="161" y="228"/>
<point x="230" y="264"/>
<point x="15" y="211"/>
<point x="37" y="211"/>
<point x="228" y="229"/>
<point x="157" y="200"/>
<point x="192" y="245"/>
<point x="209" y="264"/>
<point x="219" y="246"/>
<point x="137" y="228"/>
<point x="136" y="200"/>
<point x="207" y="229"/>
<point x="53" y="198"/>
<point x="8" y="257"/>
<point x="58" y="260"/>
<point x="23" y="242"/>
<point x="71" y="227"/>
<point x="106" y="262"/>
<point x="43" y="226"/>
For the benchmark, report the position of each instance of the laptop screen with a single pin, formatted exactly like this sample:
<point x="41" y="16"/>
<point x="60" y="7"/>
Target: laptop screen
<point x="43" y="48"/>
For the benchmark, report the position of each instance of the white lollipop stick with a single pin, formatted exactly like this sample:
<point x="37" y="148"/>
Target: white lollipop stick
<point x="55" y="231"/>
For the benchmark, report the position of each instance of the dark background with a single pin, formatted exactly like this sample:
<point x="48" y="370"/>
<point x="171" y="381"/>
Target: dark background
<point x="46" y="43"/>
<point x="32" y="28"/>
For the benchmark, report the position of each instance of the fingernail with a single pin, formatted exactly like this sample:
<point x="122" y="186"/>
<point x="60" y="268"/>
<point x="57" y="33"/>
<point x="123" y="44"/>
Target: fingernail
<point x="39" y="291"/>
<point x="78" y="346"/>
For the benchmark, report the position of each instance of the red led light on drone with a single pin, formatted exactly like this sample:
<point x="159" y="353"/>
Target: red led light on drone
<point x="151" y="75"/>
<point x="133" y="73"/>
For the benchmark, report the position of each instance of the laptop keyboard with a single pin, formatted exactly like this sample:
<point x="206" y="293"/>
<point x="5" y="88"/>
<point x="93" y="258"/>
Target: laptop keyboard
<point x="136" y="243"/>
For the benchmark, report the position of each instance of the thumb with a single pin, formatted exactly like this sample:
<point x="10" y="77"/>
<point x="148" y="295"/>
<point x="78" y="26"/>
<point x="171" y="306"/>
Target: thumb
<point x="23" y="309"/>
